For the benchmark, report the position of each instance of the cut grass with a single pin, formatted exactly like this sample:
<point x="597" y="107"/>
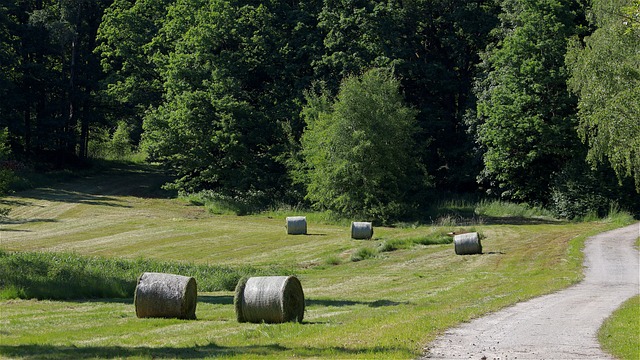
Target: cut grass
<point x="620" y="333"/>
<point x="387" y="306"/>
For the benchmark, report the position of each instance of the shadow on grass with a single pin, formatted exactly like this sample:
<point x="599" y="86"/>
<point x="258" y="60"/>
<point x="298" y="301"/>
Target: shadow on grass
<point x="228" y="300"/>
<point x="336" y="303"/>
<point x="197" y="352"/>
<point x="16" y="203"/>
<point x="100" y="186"/>
<point x="215" y="300"/>
<point x="518" y="220"/>
<point x="7" y="221"/>
<point x="72" y="196"/>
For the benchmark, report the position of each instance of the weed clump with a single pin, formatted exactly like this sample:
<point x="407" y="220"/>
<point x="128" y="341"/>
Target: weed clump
<point x="364" y="253"/>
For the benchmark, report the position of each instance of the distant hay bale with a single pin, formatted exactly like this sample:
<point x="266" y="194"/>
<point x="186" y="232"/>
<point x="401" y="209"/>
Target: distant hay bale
<point x="269" y="299"/>
<point x="361" y="230"/>
<point x="467" y="244"/>
<point x="296" y="225"/>
<point x="166" y="296"/>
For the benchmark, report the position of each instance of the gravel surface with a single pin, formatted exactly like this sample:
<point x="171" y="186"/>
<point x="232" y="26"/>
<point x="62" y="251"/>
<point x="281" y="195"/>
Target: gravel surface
<point x="562" y="325"/>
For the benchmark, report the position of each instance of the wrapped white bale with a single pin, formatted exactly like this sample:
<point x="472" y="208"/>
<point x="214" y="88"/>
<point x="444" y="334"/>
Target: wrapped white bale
<point x="269" y="299"/>
<point x="166" y="296"/>
<point x="361" y="230"/>
<point x="296" y="225"/>
<point x="467" y="244"/>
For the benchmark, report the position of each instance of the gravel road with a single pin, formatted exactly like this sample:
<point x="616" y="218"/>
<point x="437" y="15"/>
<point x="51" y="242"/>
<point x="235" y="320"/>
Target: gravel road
<point x="562" y="325"/>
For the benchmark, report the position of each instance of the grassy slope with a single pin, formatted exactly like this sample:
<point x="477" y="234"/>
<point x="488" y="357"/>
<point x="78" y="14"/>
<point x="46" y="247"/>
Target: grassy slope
<point x="387" y="307"/>
<point x="620" y="334"/>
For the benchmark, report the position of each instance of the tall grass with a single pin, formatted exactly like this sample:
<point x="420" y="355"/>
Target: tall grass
<point x="433" y="238"/>
<point x="43" y="275"/>
<point x="504" y="209"/>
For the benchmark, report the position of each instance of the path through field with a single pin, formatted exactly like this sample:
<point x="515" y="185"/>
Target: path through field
<point x="562" y="325"/>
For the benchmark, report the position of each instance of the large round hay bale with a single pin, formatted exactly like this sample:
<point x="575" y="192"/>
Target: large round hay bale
<point x="166" y="296"/>
<point x="296" y="225"/>
<point x="269" y="299"/>
<point x="361" y="230"/>
<point x="467" y="244"/>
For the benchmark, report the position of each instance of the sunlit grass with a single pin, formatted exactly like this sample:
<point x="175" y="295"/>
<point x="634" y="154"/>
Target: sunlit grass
<point x="40" y="275"/>
<point x="389" y="305"/>
<point x="620" y="333"/>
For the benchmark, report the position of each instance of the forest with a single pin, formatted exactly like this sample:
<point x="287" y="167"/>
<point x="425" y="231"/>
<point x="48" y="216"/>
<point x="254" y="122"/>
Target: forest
<point x="362" y="108"/>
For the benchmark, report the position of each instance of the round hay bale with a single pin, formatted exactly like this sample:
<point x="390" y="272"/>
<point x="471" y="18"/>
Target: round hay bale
<point x="467" y="244"/>
<point x="296" y="225"/>
<point x="361" y="230"/>
<point x="166" y="296"/>
<point x="269" y="299"/>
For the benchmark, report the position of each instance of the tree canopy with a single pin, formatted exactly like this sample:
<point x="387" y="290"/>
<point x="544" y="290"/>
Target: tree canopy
<point x="501" y="96"/>
<point x="605" y="73"/>
<point x="359" y="151"/>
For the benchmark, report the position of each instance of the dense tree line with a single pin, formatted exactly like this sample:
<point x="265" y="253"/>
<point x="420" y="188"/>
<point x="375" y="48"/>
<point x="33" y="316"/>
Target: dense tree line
<point x="363" y="107"/>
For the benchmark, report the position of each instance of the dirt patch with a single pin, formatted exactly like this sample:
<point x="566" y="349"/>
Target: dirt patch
<point x="562" y="325"/>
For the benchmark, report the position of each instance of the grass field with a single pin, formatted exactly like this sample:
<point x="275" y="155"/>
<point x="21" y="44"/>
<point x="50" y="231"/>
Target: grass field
<point x="620" y="333"/>
<point x="389" y="305"/>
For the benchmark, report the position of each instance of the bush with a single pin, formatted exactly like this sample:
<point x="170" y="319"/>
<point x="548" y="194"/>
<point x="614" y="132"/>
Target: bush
<point x="112" y="146"/>
<point x="358" y="150"/>
<point x="579" y="192"/>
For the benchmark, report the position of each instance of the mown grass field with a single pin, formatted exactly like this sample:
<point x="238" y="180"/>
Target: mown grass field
<point x="388" y="306"/>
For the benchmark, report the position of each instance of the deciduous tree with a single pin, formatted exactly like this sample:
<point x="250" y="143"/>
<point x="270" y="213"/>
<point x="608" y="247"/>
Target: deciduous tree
<point x="359" y="150"/>
<point x="605" y="74"/>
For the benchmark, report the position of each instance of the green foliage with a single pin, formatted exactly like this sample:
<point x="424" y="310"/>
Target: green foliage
<point x="579" y="190"/>
<point x="40" y="275"/>
<point x="221" y="204"/>
<point x="525" y="116"/>
<point x="605" y="74"/>
<point x="112" y="146"/>
<point x="359" y="150"/>
<point x="504" y="209"/>
<point x="6" y="174"/>
<point x="218" y="125"/>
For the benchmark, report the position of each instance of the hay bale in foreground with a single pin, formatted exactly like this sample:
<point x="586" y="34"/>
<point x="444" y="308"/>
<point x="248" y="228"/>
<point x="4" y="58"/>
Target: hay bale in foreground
<point x="166" y="296"/>
<point x="467" y="244"/>
<point x="269" y="299"/>
<point x="361" y="230"/>
<point x="297" y="225"/>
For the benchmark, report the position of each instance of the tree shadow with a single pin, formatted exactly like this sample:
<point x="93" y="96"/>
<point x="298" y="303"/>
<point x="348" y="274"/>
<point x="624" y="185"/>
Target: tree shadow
<point x="211" y="350"/>
<point x="338" y="303"/>
<point x="15" y="203"/>
<point x="71" y="196"/>
<point x="519" y="220"/>
<point x="9" y="221"/>
<point x="228" y="300"/>
<point x="216" y="300"/>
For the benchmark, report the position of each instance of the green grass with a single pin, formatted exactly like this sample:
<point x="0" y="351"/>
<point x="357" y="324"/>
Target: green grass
<point x="620" y="333"/>
<point x="389" y="305"/>
<point x="36" y="275"/>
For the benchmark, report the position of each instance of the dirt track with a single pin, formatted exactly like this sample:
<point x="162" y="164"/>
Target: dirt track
<point x="562" y="325"/>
